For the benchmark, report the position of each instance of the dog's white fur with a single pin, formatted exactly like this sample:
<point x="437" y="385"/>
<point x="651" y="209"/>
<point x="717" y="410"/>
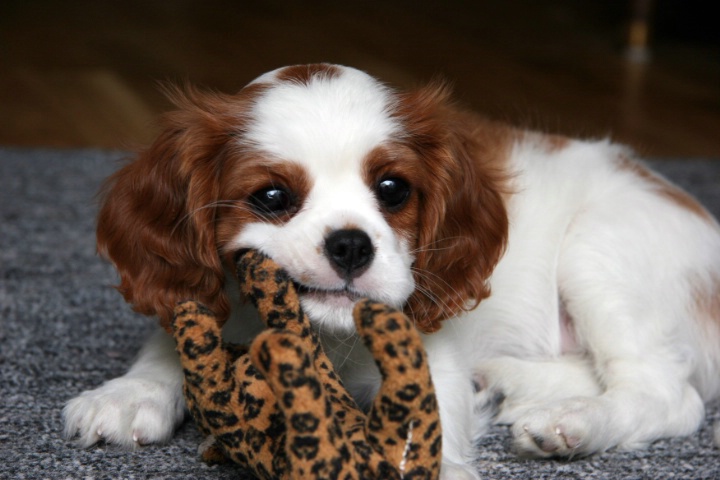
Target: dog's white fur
<point x="602" y="329"/>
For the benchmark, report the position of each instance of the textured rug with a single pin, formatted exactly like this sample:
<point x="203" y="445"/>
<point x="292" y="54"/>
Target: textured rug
<point x="64" y="329"/>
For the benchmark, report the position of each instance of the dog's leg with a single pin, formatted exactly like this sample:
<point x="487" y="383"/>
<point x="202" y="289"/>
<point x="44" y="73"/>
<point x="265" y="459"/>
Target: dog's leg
<point x="630" y="414"/>
<point x="509" y="387"/>
<point x="636" y="274"/>
<point x="559" y="407"/>
<point x="454" y="389"/>
<point x="143" y="406"/>
<point x="637" y="334"/>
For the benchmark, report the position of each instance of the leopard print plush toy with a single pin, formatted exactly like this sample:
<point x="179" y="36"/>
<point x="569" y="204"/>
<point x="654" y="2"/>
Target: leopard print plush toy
<point x="279" y="409"/>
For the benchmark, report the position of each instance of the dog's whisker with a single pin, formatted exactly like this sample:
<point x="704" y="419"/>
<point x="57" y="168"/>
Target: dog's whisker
<point x="348" y="352"/>
<point x="232" y="204"/>
<point x="429" y="247"/>
<point x="436" y="280"/>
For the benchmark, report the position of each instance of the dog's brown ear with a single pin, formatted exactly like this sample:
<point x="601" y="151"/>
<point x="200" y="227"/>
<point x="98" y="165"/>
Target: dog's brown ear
<point x="157" y="218"/>
<point x="463" y="220"/>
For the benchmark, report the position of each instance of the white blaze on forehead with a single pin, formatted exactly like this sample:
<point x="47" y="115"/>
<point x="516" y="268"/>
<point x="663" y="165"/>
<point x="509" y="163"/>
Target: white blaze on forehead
<point x="329" y="121"/>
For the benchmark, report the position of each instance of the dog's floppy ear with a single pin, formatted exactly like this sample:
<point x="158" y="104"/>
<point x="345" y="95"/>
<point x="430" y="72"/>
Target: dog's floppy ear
<point x="157" y="219"/>
<point x="463" y="221"/>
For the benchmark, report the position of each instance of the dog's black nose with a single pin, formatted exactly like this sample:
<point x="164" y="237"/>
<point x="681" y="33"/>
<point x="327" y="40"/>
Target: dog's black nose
<point x="350" y="252"/>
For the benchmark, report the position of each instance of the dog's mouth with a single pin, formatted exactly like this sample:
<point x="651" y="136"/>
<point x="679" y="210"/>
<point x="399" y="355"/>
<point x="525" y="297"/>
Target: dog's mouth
<point x="328" y="295"/>
<point x="344" y="297"/>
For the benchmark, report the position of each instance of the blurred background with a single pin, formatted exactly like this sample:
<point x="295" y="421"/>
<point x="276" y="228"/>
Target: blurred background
<point x="85" y="73"/>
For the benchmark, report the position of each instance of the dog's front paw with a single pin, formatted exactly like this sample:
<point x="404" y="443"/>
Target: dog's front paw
<point x="125" y="411"/>
<point x="574" y="427"/>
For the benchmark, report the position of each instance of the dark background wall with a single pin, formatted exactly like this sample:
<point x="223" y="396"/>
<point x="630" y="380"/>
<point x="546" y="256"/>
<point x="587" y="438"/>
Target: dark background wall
<point x="85" y="72"/>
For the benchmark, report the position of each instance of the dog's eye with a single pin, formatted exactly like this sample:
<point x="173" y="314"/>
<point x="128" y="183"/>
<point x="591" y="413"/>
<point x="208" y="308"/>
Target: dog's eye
<point x="392" y="192"/>
<point x="273" y="200"/>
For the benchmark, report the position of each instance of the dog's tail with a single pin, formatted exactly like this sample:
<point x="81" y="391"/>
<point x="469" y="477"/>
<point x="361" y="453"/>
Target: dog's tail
<point x="717" y="433"/>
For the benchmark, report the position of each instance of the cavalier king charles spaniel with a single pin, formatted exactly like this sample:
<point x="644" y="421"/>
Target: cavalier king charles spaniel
<point x="561" y="287"/>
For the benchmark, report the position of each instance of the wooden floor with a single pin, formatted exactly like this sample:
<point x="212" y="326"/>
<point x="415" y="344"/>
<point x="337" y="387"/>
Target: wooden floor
<point x="83" y="73"/>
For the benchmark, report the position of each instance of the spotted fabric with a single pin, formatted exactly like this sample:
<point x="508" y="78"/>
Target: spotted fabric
<point x="279" y="409"/>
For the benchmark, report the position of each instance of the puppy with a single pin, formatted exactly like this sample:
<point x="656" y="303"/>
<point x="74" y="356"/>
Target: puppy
<point x="559" y="275"/>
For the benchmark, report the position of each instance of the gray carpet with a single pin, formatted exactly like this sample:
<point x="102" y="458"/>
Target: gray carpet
<point x="63" y="329"/>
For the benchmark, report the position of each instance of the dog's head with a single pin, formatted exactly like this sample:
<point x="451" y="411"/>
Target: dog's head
<point x="357" y="190"/>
